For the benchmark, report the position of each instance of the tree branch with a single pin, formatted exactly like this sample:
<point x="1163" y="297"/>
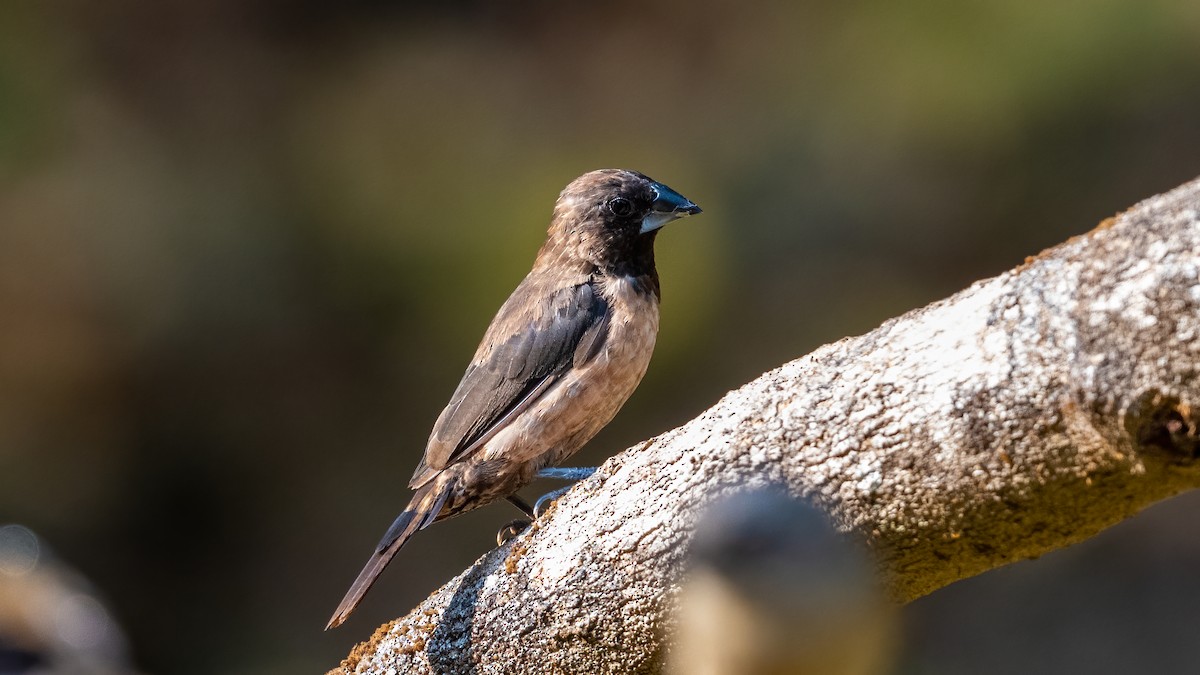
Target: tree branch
<point x="1021" y="415"/>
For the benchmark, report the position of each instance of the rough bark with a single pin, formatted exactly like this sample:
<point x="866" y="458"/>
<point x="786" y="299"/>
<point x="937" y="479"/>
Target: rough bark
<point x="1021" y="415"/>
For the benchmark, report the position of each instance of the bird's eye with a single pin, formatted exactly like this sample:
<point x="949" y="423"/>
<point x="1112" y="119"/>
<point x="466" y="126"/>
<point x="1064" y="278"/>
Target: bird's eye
<point x="620" y="206"/>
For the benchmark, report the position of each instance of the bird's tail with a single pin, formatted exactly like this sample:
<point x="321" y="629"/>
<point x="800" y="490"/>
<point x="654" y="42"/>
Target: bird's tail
<point x="424" y="508"/>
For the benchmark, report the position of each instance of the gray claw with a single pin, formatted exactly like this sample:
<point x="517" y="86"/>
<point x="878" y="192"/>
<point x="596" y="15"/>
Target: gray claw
<point x="543" y="503"/>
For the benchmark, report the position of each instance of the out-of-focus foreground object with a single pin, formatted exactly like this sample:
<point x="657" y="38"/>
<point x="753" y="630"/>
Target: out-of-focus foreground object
<point x="51" y="621"/>
<point x="773" y="589"/>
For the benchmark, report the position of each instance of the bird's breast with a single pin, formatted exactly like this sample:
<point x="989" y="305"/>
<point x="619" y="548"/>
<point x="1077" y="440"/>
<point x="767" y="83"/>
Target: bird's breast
<point x="634" y="326"/>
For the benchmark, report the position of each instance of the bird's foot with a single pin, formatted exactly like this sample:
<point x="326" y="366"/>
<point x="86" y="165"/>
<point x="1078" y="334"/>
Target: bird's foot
<point x="572" y="473"/>
<point x="515" y="527"/>
<point x="543" y="503"/>
<point x="511" y="530"/>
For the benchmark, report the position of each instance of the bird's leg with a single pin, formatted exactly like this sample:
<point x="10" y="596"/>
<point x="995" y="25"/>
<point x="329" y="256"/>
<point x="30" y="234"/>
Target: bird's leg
<point x="521" y="504"/>
<point x="572" y="473"/>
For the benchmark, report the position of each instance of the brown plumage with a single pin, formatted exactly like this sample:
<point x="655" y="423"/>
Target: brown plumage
<point x="560" y="358"/>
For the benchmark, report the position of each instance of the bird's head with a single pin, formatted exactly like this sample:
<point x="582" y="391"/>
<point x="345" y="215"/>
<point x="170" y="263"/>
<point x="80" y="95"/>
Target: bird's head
<point x="610" y="217"/>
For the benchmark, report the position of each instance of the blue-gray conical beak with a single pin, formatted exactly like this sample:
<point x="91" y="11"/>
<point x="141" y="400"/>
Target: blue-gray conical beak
<point x="667" y="206"/>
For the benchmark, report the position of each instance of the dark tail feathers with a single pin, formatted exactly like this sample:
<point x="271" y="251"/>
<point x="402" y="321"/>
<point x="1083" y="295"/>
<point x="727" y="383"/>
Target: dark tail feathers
<point x="424" y="508"/>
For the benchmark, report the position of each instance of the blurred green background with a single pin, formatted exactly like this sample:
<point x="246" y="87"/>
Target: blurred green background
<point x="247" y="248"/>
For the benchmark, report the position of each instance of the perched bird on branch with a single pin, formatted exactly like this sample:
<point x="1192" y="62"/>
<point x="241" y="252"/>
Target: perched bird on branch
<point x="773" y="589"/>
<point x="558" y="361"/>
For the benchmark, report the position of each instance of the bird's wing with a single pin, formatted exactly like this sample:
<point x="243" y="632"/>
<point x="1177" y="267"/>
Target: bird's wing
<point x="535" y="338"/>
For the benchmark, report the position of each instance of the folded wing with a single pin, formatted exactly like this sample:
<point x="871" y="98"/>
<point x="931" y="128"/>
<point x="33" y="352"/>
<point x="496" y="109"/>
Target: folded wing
<point x="537" y="336"/>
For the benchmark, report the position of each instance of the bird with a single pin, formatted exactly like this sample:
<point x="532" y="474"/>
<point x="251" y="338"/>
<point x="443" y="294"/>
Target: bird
<point x="771" y="587"/>
<point x="560" y="358"/>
